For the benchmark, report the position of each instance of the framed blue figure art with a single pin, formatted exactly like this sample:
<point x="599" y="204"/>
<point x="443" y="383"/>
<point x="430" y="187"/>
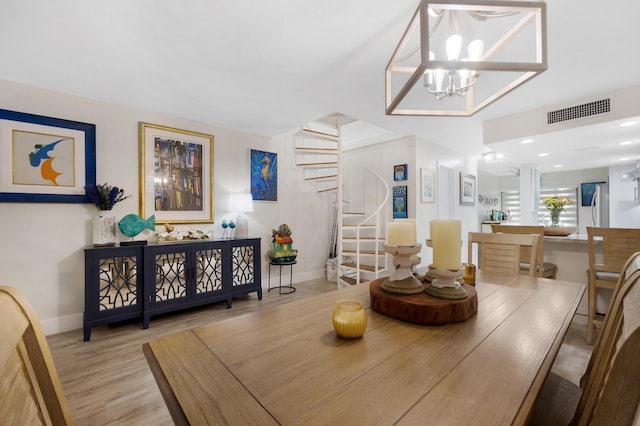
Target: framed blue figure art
<point x="264" y="175"/>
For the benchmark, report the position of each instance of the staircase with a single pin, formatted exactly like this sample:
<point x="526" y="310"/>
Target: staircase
<point x="357" y="235"/>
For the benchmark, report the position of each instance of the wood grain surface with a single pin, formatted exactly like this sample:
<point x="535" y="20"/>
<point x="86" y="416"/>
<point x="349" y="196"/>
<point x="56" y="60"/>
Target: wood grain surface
<point x="486" y="370"/>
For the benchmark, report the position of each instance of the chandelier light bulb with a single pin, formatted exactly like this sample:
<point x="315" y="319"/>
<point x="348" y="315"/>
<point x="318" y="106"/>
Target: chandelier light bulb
<point x="475" y="50"/>
<point x="440" y="74"/>
<point x="428" y="74"/>
<point x="453" y="46"/>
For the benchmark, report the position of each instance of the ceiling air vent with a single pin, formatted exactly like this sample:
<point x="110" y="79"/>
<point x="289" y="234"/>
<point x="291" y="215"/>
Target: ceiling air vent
<point x="579" y="111"/>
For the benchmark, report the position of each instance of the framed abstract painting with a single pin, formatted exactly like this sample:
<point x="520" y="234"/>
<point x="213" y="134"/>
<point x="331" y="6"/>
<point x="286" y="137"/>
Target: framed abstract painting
<point x="176" y="174"/>
<point x="45" y="159"/>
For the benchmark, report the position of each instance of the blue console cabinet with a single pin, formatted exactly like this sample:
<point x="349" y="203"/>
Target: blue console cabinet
<point x="141" y="281"/>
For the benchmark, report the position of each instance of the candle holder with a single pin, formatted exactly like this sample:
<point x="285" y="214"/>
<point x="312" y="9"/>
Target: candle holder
<point x="445" y="285"/>
<point x="402" y="280"/>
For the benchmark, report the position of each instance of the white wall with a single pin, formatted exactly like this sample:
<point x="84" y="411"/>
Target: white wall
<point x="624" y="212"/>
<point x="41" y="252"/>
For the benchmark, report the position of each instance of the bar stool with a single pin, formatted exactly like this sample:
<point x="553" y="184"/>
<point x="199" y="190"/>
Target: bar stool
<point x="288" y="288"/>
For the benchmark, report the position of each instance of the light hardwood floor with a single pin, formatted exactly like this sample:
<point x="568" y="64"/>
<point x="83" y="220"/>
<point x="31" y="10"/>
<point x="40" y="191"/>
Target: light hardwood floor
<point x="107" y="380"/>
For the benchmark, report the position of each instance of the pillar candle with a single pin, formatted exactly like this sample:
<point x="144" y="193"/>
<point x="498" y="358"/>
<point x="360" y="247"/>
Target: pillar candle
<point x="414" y="234"/>
<point x="400" y="234"/>
<point x="446" y="237"/>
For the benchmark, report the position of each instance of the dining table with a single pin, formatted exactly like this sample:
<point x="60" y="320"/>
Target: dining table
<point x="285" y="364"/>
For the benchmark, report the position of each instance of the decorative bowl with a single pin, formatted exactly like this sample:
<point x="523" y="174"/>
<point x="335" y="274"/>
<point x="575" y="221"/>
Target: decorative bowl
<point x="559" y="231"/>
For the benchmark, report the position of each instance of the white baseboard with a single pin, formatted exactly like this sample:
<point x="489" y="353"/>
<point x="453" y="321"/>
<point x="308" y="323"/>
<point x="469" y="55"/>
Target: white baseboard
<point x="61" y="324"/>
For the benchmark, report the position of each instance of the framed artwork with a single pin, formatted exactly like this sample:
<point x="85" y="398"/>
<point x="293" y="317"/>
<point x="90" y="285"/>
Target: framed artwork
<point x="428" y="186"/>
<point x="176" y="174"/>
<point x="400" y="202"/>
<point x="264" y="175"/>
<point x="587" y="190"/>
<point x="400" y="172"/>
<point x="467" y="189"/>
<point x="45" y="159"/>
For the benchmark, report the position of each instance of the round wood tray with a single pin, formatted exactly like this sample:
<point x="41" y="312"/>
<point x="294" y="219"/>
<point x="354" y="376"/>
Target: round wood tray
<point x="422" y="308"/>
<point x="559" y="231"/>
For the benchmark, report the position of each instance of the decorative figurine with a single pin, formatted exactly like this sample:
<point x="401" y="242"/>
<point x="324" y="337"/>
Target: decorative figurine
<point x="132" y="224"/>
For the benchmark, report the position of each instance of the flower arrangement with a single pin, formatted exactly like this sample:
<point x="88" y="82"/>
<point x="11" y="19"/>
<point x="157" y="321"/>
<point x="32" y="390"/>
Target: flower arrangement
<point x="105" y="196"/>
<point x="556" y="206"/>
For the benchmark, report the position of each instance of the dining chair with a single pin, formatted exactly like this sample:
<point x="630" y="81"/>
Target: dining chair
<point x="617" y="245"/>
<point x="500" y="253"/>
<point x="549" y="270"/>
<point x="610" y="390"/>
<point x="30" y="388"/>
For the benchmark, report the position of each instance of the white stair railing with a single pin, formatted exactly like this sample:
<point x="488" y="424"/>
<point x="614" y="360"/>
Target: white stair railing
<point x="381" y="198"/>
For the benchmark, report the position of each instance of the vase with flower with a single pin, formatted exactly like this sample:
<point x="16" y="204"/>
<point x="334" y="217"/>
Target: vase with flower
<point x="556" y="206"/>
<point x="104" y="197"/>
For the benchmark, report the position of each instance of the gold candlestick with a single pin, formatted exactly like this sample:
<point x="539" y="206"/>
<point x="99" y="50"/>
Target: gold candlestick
<point x="402" y="280"/>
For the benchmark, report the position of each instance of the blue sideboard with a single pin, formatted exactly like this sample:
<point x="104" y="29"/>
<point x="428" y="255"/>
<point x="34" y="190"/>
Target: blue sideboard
<point x="141" y="281"/>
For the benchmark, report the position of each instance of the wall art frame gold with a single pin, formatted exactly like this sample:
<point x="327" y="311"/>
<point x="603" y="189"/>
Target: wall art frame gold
<point x="175" y="174"/>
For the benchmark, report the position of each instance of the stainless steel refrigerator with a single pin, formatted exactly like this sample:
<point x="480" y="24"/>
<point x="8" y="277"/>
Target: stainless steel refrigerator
<point x="600" y="206"/>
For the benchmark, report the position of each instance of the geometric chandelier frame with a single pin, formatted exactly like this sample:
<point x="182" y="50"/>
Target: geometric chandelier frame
<point x="514" y="37"/>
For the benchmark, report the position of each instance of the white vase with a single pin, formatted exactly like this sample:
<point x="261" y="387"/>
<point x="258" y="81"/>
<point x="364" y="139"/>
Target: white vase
<point x="104" y="230"/>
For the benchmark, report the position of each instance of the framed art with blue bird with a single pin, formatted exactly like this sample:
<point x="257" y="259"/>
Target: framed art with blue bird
<point x="45" y="159"/>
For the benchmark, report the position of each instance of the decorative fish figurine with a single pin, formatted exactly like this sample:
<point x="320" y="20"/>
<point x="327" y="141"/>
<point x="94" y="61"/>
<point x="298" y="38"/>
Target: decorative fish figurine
<point x="132" y="224"/>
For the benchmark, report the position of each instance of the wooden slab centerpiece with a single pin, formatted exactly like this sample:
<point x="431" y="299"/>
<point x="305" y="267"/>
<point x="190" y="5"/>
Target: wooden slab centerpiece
<point x="422" y="308"/>
<point x="443" y="300"/>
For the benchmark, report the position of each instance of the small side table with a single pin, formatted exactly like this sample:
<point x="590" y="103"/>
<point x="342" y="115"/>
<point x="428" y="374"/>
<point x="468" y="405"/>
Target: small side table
<point x="289" y="288"/>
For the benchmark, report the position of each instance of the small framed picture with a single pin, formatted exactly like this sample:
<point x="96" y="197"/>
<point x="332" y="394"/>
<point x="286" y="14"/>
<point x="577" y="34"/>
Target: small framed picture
<point x="400" y="172"/>
<point x="428" y="186"/>
<point x="400" y="202"/>
<point x="467" y="189"/>
<point x="587" y="191"/>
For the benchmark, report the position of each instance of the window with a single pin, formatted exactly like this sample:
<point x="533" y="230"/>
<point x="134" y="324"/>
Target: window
<point x="511" y="203"/>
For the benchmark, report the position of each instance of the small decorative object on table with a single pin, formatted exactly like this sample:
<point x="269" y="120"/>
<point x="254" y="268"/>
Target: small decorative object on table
<point x="281" y="251"/>
<point x="556" y="206"/>
<point x="132" y="224"/>
<point x="349" y="319"/>
<point x="104" y="197"/>
<point x="176" y="234"/>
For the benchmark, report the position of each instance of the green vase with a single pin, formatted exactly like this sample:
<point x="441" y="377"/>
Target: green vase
<point x="555" y="217"/>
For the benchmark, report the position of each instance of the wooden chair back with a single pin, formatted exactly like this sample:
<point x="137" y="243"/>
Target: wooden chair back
<point x="618" y="244"/>
<point x="500" y="253"/>
<point x="612" y="391"/>
<point x="525" y="251"/>
<point x="30" y="389"/>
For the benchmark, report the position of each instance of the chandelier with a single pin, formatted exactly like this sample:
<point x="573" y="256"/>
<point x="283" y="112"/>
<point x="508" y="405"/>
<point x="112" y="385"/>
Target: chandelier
<point x="430" y="73"/>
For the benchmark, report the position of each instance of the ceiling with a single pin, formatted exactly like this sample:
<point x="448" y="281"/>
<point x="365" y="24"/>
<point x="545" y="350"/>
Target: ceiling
<point x="268" y="67"/>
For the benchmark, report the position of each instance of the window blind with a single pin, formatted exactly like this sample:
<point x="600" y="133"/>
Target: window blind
<point x="511" y="203"/>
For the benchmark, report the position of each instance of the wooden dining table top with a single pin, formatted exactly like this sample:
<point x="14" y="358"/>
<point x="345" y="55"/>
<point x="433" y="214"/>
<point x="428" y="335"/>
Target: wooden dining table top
<point x="286" y="365"/>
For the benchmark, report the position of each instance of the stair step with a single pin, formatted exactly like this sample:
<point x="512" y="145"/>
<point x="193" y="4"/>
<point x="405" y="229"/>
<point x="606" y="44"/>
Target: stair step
<point x="361" y="226"/>
<point x="370" y="268"/>
<point x="321" y="135"/>
<point x="320" y="165"/>
<point x="349" y="280"/>
<point x="316" y="151"/>
<point x="352" y="214"/>
<point x="372" y="252"/>
<point x="328" y="190"/>
<point x="322" y="178"/>
<point x="353" y="239"/>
